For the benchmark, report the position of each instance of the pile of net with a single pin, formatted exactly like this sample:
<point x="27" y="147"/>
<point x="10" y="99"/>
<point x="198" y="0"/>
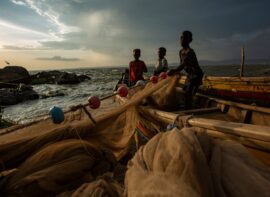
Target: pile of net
<point x="181" y="163"/>
<point x="82" y="157"/>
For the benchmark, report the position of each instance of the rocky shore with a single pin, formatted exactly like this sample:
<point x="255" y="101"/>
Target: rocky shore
<point x="57" y="77"/>
<point x="16" y="83"/>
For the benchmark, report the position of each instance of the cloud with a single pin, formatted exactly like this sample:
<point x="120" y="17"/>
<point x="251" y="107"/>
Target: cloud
<point x="58" y="58"/>
<point x="16" y="48"/>
<point x="114" y="28"/>
<point x="45" y="10"/>
<point x="18" y="2"/>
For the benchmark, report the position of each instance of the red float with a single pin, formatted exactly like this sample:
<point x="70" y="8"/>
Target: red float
<point x="94" y="102"/>
<point x="154" y="79"/>
<point x="122" y="91"/>
<point x="163" y="75"/>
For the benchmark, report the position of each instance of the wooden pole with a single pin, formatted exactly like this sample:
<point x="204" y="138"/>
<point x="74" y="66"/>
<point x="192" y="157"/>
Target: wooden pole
<point x="257" y="132"/>
<point x="258" y="144"/>
<point x="243" y="63"/>
<point x="239" y="105"/>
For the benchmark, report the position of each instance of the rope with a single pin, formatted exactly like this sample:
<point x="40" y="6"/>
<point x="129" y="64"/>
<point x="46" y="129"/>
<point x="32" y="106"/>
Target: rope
<point x="80" y="106"/>
<point x="183" y="121"/>
<point x="72" y="108"/>
<point x="130" y="88"/>
<point x="84" y="146"/>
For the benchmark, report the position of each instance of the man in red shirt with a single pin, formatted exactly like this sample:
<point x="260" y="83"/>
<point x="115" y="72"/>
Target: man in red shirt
<point x="136" y="68"/>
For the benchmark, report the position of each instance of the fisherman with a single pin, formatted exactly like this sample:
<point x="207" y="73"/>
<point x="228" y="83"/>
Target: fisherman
<point x="188" y="62"/>
<point x="136" y="68"/>
<point x="162" y="64"/>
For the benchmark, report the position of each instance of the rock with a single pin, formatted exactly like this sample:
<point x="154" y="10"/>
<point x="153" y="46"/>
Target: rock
<point x="14" y="74"/>
<point x="59" y="77"/>
<point x="68" y="78"/>
<point x="45" y="77"/>
<point x="9" y="96"/>
<point x="22" y="87"/>
<point x="83" y="77"/>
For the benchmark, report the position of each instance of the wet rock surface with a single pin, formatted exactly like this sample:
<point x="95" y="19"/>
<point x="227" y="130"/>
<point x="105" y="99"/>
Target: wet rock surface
<point x="57" y="77"/>
<point x="13" y="75"/>
<point x="11" y="96"/>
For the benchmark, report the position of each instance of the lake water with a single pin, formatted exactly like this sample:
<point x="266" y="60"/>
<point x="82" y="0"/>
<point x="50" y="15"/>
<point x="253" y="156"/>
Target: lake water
<point x="101" y="84"/>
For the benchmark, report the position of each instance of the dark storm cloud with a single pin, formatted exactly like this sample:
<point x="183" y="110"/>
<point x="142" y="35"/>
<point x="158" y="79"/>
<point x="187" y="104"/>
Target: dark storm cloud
<point x="220" y="28"/>
<point x="59" y="58"/>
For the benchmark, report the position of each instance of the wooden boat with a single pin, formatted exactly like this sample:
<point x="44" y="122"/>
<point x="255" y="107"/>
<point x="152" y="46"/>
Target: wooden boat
<point x="220" y="118"/>
<point x="114" y="129"/>
<point x="244" y="89"/>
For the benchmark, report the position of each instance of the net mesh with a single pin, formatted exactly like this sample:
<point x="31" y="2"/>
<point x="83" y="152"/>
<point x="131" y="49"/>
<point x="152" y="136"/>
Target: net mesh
<point x="81" y="157"/>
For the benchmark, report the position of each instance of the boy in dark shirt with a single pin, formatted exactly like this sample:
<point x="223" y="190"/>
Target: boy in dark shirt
<point x="189" y="62"/>
<point x="136" y="68"/>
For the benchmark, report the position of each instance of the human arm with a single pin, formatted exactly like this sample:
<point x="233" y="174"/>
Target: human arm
<point x="178" y="68"/>
<point x="175" y="70"/>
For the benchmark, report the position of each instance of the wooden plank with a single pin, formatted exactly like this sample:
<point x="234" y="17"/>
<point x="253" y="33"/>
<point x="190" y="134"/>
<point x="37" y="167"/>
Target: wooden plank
<point x="199" y="111"/>
<point x="245" y="116"/>
<point x="258" y="144"/>
<point x="256" y="132"/>
<point x="240" y="105"/>
<point x="234" y="79"/>
<point x="246" y="130"/>
<point x="165" y="117"/>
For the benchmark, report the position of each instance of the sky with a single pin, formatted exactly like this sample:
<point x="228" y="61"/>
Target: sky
<point x="55" y="34"/>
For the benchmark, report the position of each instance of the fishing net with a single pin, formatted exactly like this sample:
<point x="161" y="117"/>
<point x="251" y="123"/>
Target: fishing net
<point x="103" y="186"/>
<point x="33" y="155"/>
<point x="181" y="163"/>
<point x="167" y="98"/>
<point x="61" y="166"/>
<point x="87" y="154"/>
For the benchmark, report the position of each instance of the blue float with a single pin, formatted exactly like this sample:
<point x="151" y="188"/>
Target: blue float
<point x="57" y="115"/>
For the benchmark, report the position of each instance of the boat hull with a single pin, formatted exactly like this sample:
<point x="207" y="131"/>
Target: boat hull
<point x="249" y="89"/>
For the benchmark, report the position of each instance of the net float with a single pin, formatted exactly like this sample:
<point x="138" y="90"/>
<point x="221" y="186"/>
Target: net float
<point x="163" y="75"/>
<point x="122" y="91"/>
<point x="57" y="114"/>
<point x="94" y="102"/>
<point x="154" y="79"/>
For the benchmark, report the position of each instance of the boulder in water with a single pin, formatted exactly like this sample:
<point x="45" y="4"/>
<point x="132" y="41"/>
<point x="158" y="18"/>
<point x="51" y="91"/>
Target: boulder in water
<point x="10" y="96"/>
<point x="14" y="74"/>
<point x="68" y="78"/>
<point x="45" y="77"/>
<point x="59" y="77"/>
<point x="83" y="77"/>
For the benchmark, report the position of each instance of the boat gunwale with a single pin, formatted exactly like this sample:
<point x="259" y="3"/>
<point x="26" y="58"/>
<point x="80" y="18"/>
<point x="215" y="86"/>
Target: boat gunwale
<point x="236" y="104"/>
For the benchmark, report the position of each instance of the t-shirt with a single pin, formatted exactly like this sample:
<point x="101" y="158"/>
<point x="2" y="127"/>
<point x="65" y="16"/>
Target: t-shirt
<point x="136" y="70"/>
<point x="161" y="66"/>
